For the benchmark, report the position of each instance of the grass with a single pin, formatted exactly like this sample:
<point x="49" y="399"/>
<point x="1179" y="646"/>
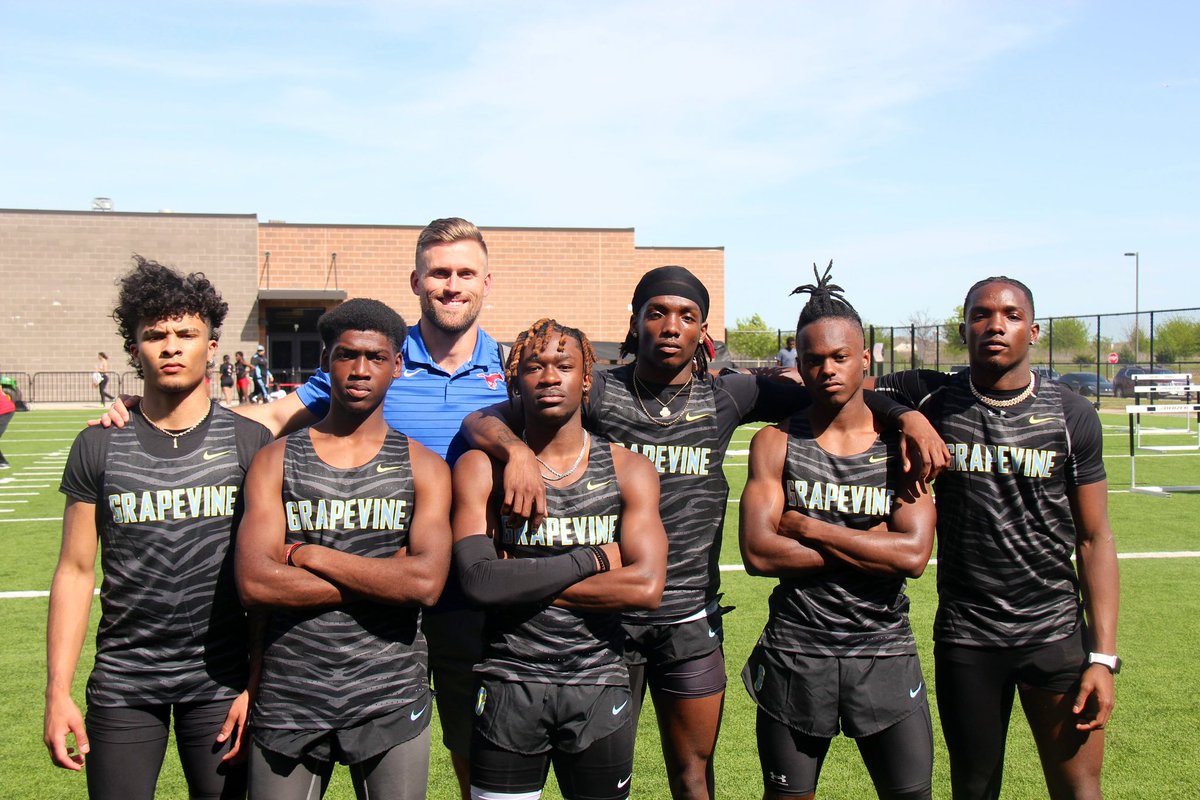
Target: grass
<point x="1151" y="742"/>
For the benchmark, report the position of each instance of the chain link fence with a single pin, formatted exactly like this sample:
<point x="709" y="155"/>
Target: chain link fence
<point x="1101" y="344"/>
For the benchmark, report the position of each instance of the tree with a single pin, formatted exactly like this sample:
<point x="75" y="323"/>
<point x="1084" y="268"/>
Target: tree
<point x="951" y="339"/>
<point x="753" y="339"/>
<point x="1176" y="339"/>
<point x="1067" y="335"/>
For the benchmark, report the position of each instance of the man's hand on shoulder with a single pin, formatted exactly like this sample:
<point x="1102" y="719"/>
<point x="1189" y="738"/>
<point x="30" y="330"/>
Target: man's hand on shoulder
<point x="524" y="489"/>
<point x="117" y="414"/>
<point x="923" y="450"/>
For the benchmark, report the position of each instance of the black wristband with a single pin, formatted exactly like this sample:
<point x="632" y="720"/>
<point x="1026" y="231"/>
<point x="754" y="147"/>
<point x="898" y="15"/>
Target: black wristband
<point x="601" y="557"/>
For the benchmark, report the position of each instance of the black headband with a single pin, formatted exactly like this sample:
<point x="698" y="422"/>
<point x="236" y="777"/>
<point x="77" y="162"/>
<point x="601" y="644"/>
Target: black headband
<point x="675" y="281"/>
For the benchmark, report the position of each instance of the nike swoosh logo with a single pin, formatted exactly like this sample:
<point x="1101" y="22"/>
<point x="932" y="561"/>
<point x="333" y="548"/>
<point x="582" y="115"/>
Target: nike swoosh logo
<point x="415" y="715"/>
<point x="711" y="633"/>
<point x="916" y="691"/>
<point x="408" y="373"/>
<point x="210" y="456"/>
<point x="592" y="486"/>
<point x="382" y="468"/>
<point x="876" y="459"/>
<point x="690" y="417"/>
<point x="618" y="709"/>
<point x="624" y="783"/>
<point x="1034" y="420"/>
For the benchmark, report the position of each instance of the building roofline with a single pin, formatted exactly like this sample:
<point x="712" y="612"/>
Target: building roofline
<point x="90" y="213"/>
<point x="279" y="223"/>
<point x="670" y="247"/>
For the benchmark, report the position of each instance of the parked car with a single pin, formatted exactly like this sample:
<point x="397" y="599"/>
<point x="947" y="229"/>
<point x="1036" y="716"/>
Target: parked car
<point x="1087" y="383"/>
<point x="1047" y="373"/>
<point x="1123" y="381"/>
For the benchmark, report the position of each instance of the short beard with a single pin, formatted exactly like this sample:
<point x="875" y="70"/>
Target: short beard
<point x="431" y="312"/>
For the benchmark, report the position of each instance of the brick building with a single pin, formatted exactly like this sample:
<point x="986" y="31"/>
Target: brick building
<point x="58" y="268"/>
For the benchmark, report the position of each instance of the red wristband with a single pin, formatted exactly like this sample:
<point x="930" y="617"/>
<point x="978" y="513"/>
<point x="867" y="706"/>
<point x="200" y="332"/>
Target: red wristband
<point x="292" y="548"/>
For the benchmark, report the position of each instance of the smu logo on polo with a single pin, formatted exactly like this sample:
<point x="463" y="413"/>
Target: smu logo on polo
<point x="494" y="379"/>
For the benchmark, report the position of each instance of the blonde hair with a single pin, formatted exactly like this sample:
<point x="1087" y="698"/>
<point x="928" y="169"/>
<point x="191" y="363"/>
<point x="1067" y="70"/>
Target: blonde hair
<point x="448" y="231"/>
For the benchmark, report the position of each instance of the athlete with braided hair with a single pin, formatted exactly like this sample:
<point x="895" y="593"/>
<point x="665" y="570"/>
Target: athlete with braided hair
<point x="828" y="510"/>
<point x="554" y="688"/>
<point x="534" y="340"/>
<point x="666" y="406"/>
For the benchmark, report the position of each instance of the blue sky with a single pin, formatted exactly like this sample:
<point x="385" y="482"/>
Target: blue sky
<point x="921" y="145"/>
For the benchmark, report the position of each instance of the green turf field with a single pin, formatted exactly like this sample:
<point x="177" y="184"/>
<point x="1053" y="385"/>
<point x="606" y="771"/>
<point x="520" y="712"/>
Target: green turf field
<point x="1152" y="740"/>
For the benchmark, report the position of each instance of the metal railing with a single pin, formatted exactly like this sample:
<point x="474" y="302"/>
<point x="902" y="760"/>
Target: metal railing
<point x="76" y="387"/>
<point x="1165" y="338"/>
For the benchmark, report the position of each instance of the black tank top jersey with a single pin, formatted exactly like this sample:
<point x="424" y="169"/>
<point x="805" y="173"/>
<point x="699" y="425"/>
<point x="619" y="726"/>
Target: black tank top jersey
<point x="171" y="629"/>
<point x="1005" y="529"/>
<point x="332" y="667"/>
<point x="542" y="643"/>
<point x="688" y="457"/>
<point x="840" y="611"/>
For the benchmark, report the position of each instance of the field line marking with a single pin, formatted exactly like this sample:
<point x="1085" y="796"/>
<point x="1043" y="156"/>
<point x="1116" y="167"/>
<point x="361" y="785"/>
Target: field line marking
<point x="27" y="595"/>
<point x="33" y="519"/>
<point x="1120" y="556"/>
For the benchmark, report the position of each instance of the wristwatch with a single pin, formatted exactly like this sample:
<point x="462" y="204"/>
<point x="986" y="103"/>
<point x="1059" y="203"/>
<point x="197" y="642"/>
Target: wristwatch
<point x="1112" y="662"/>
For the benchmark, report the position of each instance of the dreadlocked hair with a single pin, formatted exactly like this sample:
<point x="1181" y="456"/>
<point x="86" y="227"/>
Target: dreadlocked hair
<point x="1013" y="282"/>
<point x="826" y="299"/>
<point x="534" y="339"/>
<point x="699" y="360"/>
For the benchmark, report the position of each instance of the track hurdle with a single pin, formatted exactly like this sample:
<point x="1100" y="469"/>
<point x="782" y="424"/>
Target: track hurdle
<point x="1135" y="413"/>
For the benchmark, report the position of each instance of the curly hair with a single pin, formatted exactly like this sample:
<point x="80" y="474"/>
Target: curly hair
<point x="826" y="299"/>
<point x="151" y="292"/>
<point x="534" y="338"/>
<point x="1013" y="282"/>
<point x="362" y="314"/>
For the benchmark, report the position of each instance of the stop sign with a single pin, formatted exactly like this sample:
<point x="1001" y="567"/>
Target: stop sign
<point x="1112" y="358"/>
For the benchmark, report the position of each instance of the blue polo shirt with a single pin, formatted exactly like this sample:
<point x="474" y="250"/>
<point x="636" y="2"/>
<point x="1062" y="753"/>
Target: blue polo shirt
<point x="426" y="402"/>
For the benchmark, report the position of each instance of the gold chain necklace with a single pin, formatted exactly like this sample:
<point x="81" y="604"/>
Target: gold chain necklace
<point x="175" y="437"/>
<point x="1010" y="402"/>
<point x="638" y="386"/>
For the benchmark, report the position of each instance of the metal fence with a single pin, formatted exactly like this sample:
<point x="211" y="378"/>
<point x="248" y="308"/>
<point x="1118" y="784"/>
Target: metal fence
<point x="72" y="387"/>
<point x="1099" y="343"/>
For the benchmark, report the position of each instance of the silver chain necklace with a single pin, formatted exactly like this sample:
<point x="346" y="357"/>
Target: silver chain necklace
<point x="175" y="437"/>
<point x="1010" y="402"/>
<point x="558" y="476"/>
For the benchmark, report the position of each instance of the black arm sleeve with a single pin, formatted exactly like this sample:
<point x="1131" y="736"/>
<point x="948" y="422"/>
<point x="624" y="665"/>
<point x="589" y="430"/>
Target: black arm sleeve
<point x="883" y="406"/>
<point x="488" y="579"/>
<point x="911" y="387"/>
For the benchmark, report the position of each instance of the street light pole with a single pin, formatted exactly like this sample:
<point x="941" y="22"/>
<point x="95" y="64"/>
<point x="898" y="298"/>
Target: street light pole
<point x="1137" y="342"/>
